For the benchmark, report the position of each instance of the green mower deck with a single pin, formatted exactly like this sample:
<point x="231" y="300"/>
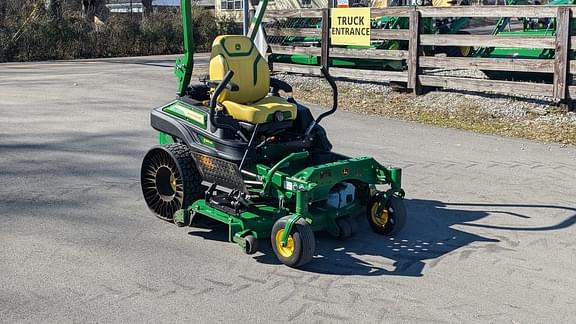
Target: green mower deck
<point x="303" y="194"/>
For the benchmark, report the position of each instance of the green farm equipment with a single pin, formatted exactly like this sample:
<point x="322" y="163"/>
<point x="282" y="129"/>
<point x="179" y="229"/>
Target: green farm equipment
<point x="314" y="41"/>
<point x="531" y="27"/>
<point x="234" y="150"/>
<point x="430" y="26"/>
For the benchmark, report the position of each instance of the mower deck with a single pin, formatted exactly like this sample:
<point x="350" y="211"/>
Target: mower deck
<point x="305" y="192"/>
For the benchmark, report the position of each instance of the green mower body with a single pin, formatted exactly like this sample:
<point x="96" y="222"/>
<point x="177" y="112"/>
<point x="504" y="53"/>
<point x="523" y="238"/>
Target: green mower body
<point x="278" y="179"/>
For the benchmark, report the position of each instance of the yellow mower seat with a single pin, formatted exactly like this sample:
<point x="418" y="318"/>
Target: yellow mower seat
<point x="261" y="111"/>
<point x="251" y="102"/>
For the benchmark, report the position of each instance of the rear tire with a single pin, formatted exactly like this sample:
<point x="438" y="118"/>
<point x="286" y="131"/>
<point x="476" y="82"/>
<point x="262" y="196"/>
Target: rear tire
<point x="170" y="180"/>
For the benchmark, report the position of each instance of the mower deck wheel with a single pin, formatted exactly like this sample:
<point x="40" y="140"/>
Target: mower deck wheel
<point x="388" y="220"/>
<point x="251" y="246"/>
<point x="299" y="248"/>
<point x="345" y="226"/>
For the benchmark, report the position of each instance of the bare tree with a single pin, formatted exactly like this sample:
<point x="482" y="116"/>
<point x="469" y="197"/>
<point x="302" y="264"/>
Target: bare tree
<point x="91" y="8"/>
<point x="54" y="7"/>
<point x="148" y="8"/>
<point x="3" y="10"/>
<point x="71" y="5"/>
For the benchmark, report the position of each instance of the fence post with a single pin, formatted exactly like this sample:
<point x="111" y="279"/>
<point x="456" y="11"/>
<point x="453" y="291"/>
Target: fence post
<point x="325" y="50"/>
<point x="562" y="56"/>
<point x="413" y="52"/>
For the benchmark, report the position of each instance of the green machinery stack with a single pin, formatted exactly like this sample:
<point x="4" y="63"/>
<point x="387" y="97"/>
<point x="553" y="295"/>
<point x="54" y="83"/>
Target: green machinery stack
<point x="531" y="27"/>
<point x="234" y="150"/>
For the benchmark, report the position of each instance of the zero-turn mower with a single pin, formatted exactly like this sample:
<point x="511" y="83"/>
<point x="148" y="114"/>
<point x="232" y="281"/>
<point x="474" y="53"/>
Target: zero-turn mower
<point x="234" y="150"/>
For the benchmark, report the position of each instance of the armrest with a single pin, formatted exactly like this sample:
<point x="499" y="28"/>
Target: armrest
<point x="277" y="85"/>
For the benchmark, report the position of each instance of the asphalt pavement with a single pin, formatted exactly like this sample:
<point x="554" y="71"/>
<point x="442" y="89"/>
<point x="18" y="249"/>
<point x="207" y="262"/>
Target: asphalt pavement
<point x="491" y="235"/>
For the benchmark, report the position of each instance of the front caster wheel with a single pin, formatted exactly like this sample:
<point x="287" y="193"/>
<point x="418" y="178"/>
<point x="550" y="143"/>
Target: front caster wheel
<point x="299" y="248"/>
<point x="388" y="219"/>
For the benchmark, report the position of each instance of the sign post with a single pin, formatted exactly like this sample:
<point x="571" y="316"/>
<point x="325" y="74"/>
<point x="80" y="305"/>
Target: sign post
<point x="350" y="26"/>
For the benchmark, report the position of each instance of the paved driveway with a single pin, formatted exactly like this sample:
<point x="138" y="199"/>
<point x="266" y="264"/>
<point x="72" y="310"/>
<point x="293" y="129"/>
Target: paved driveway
<point x="491" y="236"/>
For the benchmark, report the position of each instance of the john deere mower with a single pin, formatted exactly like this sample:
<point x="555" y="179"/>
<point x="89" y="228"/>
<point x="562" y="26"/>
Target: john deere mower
<point x="234" y="150"/>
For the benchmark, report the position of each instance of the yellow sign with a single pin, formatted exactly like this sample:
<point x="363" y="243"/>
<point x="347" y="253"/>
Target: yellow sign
<point x="350" y="26"/>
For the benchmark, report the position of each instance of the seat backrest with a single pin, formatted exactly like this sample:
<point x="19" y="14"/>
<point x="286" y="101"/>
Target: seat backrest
<point x="251" y="74"/>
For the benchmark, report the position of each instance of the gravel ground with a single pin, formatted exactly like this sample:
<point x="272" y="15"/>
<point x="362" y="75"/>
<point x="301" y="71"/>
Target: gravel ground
<point x="528" y="117"/>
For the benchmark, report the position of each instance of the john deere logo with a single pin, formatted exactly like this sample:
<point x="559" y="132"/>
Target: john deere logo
<point x="237" y="47"/>
<point x="345" y="171"/>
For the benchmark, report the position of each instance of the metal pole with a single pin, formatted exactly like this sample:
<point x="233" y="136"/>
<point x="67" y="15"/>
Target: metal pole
<point x="257" y="18"/>
<point x="245" y="16"/>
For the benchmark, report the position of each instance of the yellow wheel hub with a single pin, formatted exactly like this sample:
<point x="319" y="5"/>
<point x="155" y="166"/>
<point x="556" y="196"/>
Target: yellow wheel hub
<point x="173" y="182"/>
<point x="285" y="251"/>
<point x="465" y="50"/>
<point x="379" y="219"/>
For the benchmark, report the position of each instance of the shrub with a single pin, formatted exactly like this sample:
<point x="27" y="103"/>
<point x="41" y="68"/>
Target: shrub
<point x="28" y="33"/>
<point x="228" y="26"/>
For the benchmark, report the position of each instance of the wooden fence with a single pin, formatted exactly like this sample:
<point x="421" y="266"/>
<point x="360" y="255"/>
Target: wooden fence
<point x="415" y="78"/>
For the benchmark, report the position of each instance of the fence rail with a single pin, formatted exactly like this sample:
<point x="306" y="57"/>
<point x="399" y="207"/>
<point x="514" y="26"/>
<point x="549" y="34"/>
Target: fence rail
<point x="414" y="75"/>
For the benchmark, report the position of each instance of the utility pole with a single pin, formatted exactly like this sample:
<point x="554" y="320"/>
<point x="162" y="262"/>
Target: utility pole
<point x="245" y="16"/>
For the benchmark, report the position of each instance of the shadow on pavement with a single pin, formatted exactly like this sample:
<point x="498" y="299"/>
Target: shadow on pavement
<point x="168" y="63"/>
<point x="209" y="229"/>
<point x="428" y="236"/>
<point x="90" y="169"/>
